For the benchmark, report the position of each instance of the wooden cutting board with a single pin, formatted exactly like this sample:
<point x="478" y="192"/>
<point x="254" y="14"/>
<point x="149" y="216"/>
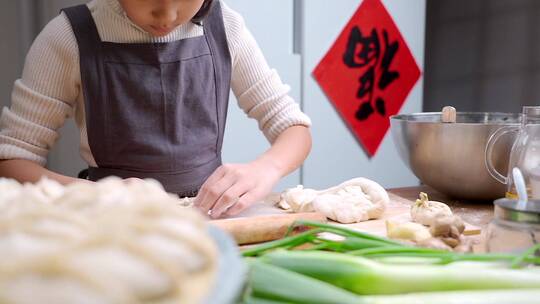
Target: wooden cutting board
<point x="265" y="222"/>
<point x="263" y="228"/>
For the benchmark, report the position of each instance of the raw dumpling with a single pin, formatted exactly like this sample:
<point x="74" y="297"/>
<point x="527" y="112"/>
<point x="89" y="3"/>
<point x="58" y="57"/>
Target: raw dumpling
<point x="107" y="242"/>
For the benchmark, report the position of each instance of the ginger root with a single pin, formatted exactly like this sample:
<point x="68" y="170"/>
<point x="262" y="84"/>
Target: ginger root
<point x="408" y="231"/>
<point x="449" y="229"/>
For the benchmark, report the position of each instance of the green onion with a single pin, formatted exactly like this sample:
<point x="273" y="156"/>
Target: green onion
<point x="406" y="260"/>
<point x="354" y="240"/>
<point x="444" y="257"/>
<point x="355" y="243"/>
<point x="523" y="258"/>
<point x="249" y="299"/>
<point x="378" y="269"/>
<point x="345" y="232"/>
<point x="511" y="296"/>
<point x="364" y="276"/>
<point x="273" y="285"/>
<point x="277" y="284"/>
<point x="292" y="241"/>
<point x="396" y="249"/>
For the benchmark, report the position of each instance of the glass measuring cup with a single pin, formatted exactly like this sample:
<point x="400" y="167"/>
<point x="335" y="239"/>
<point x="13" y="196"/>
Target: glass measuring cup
<point x="525" y="153"/>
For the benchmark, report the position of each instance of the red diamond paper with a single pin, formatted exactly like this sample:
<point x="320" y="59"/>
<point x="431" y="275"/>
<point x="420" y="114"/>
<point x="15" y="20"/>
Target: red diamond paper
<point x="368" y="73"/>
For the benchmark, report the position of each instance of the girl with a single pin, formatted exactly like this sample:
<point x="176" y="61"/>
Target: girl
<point x="147" y="82"/>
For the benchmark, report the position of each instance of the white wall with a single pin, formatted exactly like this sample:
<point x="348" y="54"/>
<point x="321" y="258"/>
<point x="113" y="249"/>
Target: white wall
<point x="336" y="154"/>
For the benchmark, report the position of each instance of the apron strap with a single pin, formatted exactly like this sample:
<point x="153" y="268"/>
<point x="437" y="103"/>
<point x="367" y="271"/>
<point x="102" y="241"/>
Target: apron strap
<point x="214" y="31"/>
<point x="84" y="27"/>
<point x="91" y="66"/>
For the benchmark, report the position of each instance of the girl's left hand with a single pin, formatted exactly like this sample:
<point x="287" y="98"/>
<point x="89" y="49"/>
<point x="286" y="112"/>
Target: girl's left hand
<point x="234" y="187"/>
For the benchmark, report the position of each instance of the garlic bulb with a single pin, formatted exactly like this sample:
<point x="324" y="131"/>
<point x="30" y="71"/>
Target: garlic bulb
<point x="425" y="211"/>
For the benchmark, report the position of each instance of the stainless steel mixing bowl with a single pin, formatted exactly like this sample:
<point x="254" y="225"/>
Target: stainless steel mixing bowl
<point x="450" y="157"/>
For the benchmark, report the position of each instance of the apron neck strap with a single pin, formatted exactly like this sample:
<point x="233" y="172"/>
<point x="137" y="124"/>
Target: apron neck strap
<point x="84" y="27"/>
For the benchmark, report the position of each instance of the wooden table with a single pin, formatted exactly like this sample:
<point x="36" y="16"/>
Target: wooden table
<point x="475" y="213"/>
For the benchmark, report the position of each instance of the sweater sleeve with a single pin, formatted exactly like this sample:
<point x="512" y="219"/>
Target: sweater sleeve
<point x="44" y="96"/>
<point x="259" y="90"/>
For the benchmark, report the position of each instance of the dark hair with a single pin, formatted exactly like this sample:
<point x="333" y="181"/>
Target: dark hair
<point x="203" y="11"/>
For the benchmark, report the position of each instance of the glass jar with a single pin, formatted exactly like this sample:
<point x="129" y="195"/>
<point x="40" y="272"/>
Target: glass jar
<point x="513" y="230"/>
<point x="535" y="182"/>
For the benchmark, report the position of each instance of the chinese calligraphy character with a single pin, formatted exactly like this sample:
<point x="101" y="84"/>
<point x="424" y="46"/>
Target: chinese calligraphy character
<point x="365" y="52"/>
<point x="369" y="48"/>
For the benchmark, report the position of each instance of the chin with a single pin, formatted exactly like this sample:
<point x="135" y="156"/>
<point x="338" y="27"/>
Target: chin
<point x="159" y="34"/>
<point x="156" y="33"/>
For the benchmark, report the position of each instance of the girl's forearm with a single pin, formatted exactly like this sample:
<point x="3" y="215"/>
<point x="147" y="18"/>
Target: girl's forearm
<point x="28" y="171"/>
<point x="289" y="150"/>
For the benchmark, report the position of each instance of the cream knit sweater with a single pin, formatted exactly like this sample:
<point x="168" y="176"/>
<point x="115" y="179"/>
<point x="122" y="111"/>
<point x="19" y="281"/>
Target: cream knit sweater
<point x="49" y="90"/>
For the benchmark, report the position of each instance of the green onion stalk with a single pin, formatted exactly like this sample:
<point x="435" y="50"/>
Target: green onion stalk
<point x="362" y="268"/>
<point x="274" y="285"/>
<point x="374" y="247"/>
<point x="367" y="277"/>
<point x="353" y="240"/>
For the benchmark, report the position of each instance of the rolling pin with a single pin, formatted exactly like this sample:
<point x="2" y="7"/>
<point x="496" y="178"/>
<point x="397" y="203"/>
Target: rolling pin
<point x="257" y="229"/>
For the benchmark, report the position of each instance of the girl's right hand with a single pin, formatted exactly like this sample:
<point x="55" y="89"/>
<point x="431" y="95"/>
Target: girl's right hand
<point x="234" y="187"/>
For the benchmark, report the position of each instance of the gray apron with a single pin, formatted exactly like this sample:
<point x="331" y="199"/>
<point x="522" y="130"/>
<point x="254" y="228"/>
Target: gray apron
<point x="155" y="110"/>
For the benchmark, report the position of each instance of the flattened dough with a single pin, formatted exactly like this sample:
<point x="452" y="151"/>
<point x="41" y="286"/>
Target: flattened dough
<point x="355" y="200"/>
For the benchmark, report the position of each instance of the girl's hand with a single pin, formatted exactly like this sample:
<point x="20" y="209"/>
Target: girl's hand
<point x="234" y="187"/>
